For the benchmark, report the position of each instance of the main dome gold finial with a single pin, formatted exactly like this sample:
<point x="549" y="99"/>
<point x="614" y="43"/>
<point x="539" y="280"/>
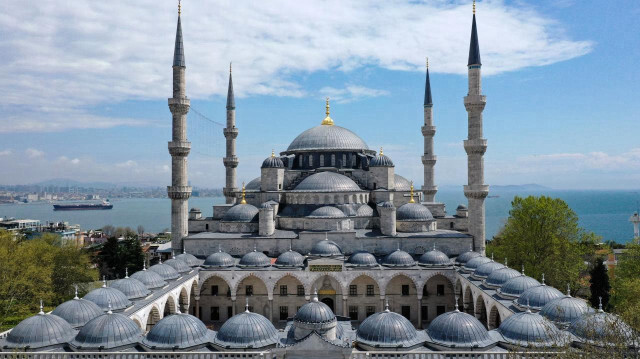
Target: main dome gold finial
<point x="412" y="200"/>
<point x="381" y="153"/>
<point x="243" y="201"/>
<point x="273" y="153"/>
<point x="327" y="120"/>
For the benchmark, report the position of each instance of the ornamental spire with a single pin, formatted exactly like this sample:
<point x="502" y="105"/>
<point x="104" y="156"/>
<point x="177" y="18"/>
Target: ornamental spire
<point x="243" y="201"/>
<point x="411" y="194"/>
<point x="41" y="307"/>
<point x="178" y="51"/>
<point x="474" y="46"/>
<point x="126" y="272"/>
<point x="428" y="101"/>
<point x="381" y="152"/>
<point x="386" y="305"/>
<point x="246" y="306"/>
<point x="328" y="121"/>
<point x="76" y="297"/>
<point x="104" y="281"/>
<point x="315" y="294"/>
<point x="231" y="100"/>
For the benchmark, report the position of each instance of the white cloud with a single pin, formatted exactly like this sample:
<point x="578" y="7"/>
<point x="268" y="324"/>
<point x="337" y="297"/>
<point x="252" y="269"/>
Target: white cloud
<point x="34" y="153"/>
<point x="61" y="58"/>
<point x="351" y="93"/>
<point x="6" y="152"/>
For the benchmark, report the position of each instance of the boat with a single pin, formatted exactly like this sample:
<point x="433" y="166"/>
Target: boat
<point x="82" y="206"/>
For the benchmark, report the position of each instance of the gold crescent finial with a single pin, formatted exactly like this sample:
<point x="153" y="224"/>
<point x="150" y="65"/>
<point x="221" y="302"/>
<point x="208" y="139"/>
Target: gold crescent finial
<point x="327" y="120"/>
<point x="427" y="62"/>
<point x="243" y="201"/>
<point x="179" y="7"/>
<point x="230" y="67"/>
<point x="474" y="7"/>
<point x="381" y="153"/>
<point x="273" y="153"/>
<point x="412" y="200"/>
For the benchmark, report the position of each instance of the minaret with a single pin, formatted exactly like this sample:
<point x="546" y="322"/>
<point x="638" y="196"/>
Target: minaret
<point x="230" y="133"/>
<point x="475" y="145"/>
<point x="179" y="147"/>
<point x="428" y="131"/>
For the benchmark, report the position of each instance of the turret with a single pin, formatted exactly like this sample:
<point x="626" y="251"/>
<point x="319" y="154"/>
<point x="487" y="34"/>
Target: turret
<point x="428" y="131"/>
<point x="266" y="222"/>
<point x="387" y="213"/>
<point x="272" y="174"/>
<point x="230" y="133"/>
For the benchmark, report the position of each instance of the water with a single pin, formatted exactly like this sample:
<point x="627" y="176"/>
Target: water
<point x="604" y="212"/>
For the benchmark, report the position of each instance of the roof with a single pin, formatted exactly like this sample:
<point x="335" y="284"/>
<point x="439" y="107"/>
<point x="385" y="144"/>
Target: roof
<point x="564" y="310"/>
<point x="254" y="259"/>
<point x="219" y="259"/>
<point x="326" y="248"/>
<point x="428" y="101"/>
<point x="327" y="182"/>
<point x="389" y="329"/>
<point x="272" y="162"/>
<point x="362" y="259"/>
<point x="106" y="296"/>
<point x="166" y="271"/>
<point x="381" y="161"/>
<point x="179" y="331"/>
<point x="529" y="329"/>
<point x="108" y="331"/>
<point x="241" y="213"/>
<point x="474" y="46"/>
<point x="500" y="276"/>
<point x="131" y="287"/>
<point x="290" y="259"/>
<point x="178" y="51"/>
<point x="413" y="212"/>
<point x="246" y="330"/>
<point x="483" y="270"/>
<point x="398" y="258"/>
<point x="537" y="297"/>
<point x="434" y="257"/>
<point x="458" y="329"/>
<point x="39" y="331"/>
<point x="322" y="138"/>
<point x="514" y="287"/>
<point x="149" y="278"/>
<point x="178" y="265"/>
<point x="327" y="212"/>
<point x="77" y="312"/>
<point x="314" y="312"/>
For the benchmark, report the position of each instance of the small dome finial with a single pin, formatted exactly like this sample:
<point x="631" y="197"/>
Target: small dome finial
<point x="219" y="248"/>
<point x="474" y="7"/>
<point x="173" y="254"/>
<point x="456" y="305"/>
<point x="328" y="121"/>
<point x="315" y="294"/>
<point x="126" y="272"/>
<point x="76" y="297"/>
<point x="160" y="259"/>
<point x="543" y="283"/>
<point x="243" y="201"/>
<point x="600" y="305"/>
<point x="568" y="290"/>
<point x="255" y="247"/>
<point x="183" y="250"/>
<point x="110" y="311"/>
<point x="104" y="281"/>
<point x="144" y="265"/>
<point x="505" y="262"/>
<point x="411" y="194"/>
<point x="528" y="306"/>
<point x="386" y="305"/>
<point x="492" y="256"/>
<point x="246" y="305"/>
<point x="41" y="307"/>
<point x="522" y="271"/>
<point x="179" y="7"/>
<point x="434" y="246"/>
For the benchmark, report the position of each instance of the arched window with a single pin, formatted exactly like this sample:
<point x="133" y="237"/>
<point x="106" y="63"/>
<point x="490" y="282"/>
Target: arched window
<point x="310" y="160"/>
<point x="321" y="160"/>
<point x="344" y="160"/>
<point x="333" y="160"/>
<point x="300" y="161"/>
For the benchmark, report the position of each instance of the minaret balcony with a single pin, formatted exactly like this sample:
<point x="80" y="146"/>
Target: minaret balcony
<point x="179" y="106"/>
<point x="429" y="160"/>
<point x="475" y="146"/>
<point x="179" y="148"/>
<point x="179" y="192"/>
<point x="477" y="191"/>
<point x="475" y="102"/>
<point x="429" y="190"/>
<point x="231" y="161"/>
<point x="230" y="133"/>
<point x="428" y="130"/>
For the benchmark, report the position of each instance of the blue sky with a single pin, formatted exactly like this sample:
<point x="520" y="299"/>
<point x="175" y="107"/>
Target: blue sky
<point x="85" y="86"/>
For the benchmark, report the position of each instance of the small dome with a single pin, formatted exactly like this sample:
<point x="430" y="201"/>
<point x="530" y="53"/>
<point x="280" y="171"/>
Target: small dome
<point x="528" y="329"/>
<point x="537" y="297"/>
<point x="398" y="258"/>
<point x="387" y="204"/>
<point x="105" y="295"/>
<point x="150" y="279"/>
<point x="474" y="263"/>
<point x="401" y="183"/>
<point x="253" y="185"/>
<point x="381" y="161"/>
<point x="327" y="138"/>
<point x="272" y="162"/>
<point x="364" y="211"/>
<point x="327" y="212"/>
<point x="413" y="212"/>
<point x="195" y="210"/>
<point x="219" y="259"/>
<point x="314" y="312"/>
<point x="563" y="311"/>
<point x="77" y="312"/>
<point x="188" y="258"/>
<point x="599" y="328"/>
<point x="290" y="259"/>
<point x="255" y="260"/>
<point x="434" y="258"/>
<point x="484" y="270"/>
<point x="514" y="287"/>
<point x="500" y="276"/>
<point x="461" y="207"/>
<point x="166" y="271"/>
<point x="108" y="331"/>
<point x="246" y="330"/>
<point x="131" y="287"/>
<point x="458" y="329"/>
<point x="241" y="213"/>
<point x="327" y="182"/>
<point x="39" y="331"/>
<point x="362" y="259"/>
<point x="265" y="205"/>
<point x="326" y="248"/>
<point x="463" y="258"/>
<point x="178" y="265"/>
<point x="390" y="330"/>
<point x="179" y="331"/>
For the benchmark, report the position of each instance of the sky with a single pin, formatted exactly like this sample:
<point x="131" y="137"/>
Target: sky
<point x="85" y="86"/>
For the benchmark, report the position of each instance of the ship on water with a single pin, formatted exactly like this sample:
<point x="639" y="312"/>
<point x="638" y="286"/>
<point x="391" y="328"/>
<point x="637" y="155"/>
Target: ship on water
<point x="82" y="206"/>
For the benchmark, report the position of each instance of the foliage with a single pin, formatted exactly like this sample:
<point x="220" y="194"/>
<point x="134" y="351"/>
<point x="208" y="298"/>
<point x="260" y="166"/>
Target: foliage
<point x="116" y="256"/>
<point x="140" y="230"/>
<point x="625" y="297"/>
<point x="600" y="286"/>
<point x="543" y="234"/>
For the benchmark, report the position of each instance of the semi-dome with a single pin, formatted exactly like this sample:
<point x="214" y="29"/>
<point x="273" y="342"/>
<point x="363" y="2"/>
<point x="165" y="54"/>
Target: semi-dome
<point x="314" y="312"/>
<point x="500" y="276"/>
<point x="458" y="330"/>
<point x="413" y="212"/>
<point x="327" y="182"/>
<point x="253" y="185"/>
<point x="472" y="264"/>
<point x="388" y="330"/>
<point x="166" y="272"/>
<point x="39" y="331"/>
<point x="527" y="329"/>
<point x="362" y="259"/>
<point x="564" y="310"/>
<point x="131" y="287"/>
<point x="401" y="183"/>
<point x="398" y="258"/>
<point x="463" y="258"/>
<point x="327" y="212"/>
<point x="326" y="248"/>
<point x="324" y="138"/>
<point x="188" y="258"/>
<point x="434" y="258"/>
<point x="246" y="331"/>
<point x="364" y="211"/>
<point x="178" y="331"/>
<point x="106" y="332"/>
<point x="272" y="162"/>
<point x="219" y="259"/>
<point x="254" y="259"/>
<point x="483" y="270"/>
<point x="150" y="279"/>
<point x="178" y="265"/>
<point x="381" y="160"/>
<point x="537" y="297"/>
<point x="241" y="213"/>
<point x="77" y="312"/>
<point x="514" y="287"/>
<point x="290" y="259"/>
<point x="602" y="329"/>
<point x="108" y="298"/>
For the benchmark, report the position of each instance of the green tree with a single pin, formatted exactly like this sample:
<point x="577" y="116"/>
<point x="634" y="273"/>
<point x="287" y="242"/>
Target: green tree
<point x="116" y="256"/>
<point x="543" y="234"/>
<point x="625" y="298"/>
<point x="599" y="284"/>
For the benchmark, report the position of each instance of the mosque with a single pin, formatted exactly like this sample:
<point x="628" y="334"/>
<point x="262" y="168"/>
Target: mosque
<point x="328" y="254"/>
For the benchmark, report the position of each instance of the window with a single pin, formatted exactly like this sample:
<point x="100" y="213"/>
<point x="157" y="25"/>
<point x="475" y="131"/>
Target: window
<point x="440" y="290"/>
<point x="215" y="313"/>
<point x="300" y="291"/>
<point x="279" y="187"/>
<point x="353" y="312"/>
<point x="300" y="161"/>
<point x="283" y="290"/>
<point x="344" y="160"/>
<point x="199" y="312"/>
<point x="425" y="313"/>
<point x="370" y="310"/>
<point x="228" y="292"/>
<point x="206" y="226"/>
<point x="214" y="290"/>
<point x="405" y="289"/>
<point x="310" y="160"/>
<point x="451" y="225"/>
<point x="333" y="160"/>
<point x="440" y="309"/>
<point x="321" y="160"/>
<point x="229" y="312"/>
<point x="249" y="291"/>
<point x="353" y="290"/>
<point x="284" y="313"/>
<point x="369" y="290"/>
<point x="406" y="312"/>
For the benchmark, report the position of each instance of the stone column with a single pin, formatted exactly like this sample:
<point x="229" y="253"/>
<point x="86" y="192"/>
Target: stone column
<point x="197" y="308"/>
<point x="345" y="310"/>
<point x="419" y="313"/>
<point x="271" y="309"/>
<point x="233" y="306"/>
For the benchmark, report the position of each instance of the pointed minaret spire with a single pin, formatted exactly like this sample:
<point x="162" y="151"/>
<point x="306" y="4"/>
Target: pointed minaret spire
<point x="428" y="101"/>
<point x="178" y="51"/>
<point x="230" y="132"/>
<point x="474" y="46"/>
<point x="600" y="305"/>
<point x="231" y="101"/>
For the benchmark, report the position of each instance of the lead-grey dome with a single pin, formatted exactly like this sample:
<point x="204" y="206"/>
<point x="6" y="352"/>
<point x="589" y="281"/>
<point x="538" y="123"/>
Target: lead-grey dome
<point x="131" y="287"/>
<point x="364" y="211"/>
<point x="500" y="276"/>
<point x="106" y="332"/>
<point x="314" y="312"/>
<point x="388" y="330"/>
<point x="537" y="297"/>
<point x="514" y="287"/>
<point x="472" y="264"/>
<point x="603" y="329"/>
<point x="401" y="183"/>
<point x="398" y="258"/>
<point x="39" y="331"/>
<point x="254" y="260"/>
<point x="434" y="258"/>
<point x="321" y="138"/>
<point x="381" y="161"/>
<point x="327" y="212"/>
<point x="528" y="329"/>
<point x="272" y="162"/>
<point x="290" y="259"/>
<point x="458" y="329"/>
<point x="253" y="185"/>
<point x="463" y="258"/>
<point x="386" y="204"/>
<point x="563" y="311"/>
<point x="483" y="270"/>
<point x="77" y="312"/>
<point x="188" y="258"/>
<point x="178" y="265"/>
<point x="107" y="295"/>
<point x="219" y="259"/>
<point x="246" y="330"/>
<point x="241" y="213"/>
<point x="166" y="271"/>
<point x="362" y="259"/>
<point x="150" y="279"/>
<point x="327" y="182"/>
<point x="326" y="248"/>
<point x="178" y="331"/>
<point x="413" y="212"/>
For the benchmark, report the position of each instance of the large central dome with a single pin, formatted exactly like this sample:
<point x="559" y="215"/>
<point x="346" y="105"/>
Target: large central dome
<point x="324" y="137"/>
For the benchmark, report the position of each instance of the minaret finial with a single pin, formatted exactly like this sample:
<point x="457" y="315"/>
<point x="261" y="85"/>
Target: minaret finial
<point x="522" y="271"/>
<point x="412" y="200"/>
<point x="230" y="66"/>
<point x="144" y="265"/>
<point x="427" y="62"/>
<point x="179" y="7"/>
<point x="273" y="153"/>
<point x="505" y="262"/>
<point x="456" y="304"/>
<point x="110" y="311"/>
<point x="76" y="297"/>
<point x="243" y="201"/>
<point x="328" y="121"/>
<point x="474" y="7"/>
<point x="41" y="307"/>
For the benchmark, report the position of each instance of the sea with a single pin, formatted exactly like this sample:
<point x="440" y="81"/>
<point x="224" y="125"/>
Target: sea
<point x="604" y="212"/>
